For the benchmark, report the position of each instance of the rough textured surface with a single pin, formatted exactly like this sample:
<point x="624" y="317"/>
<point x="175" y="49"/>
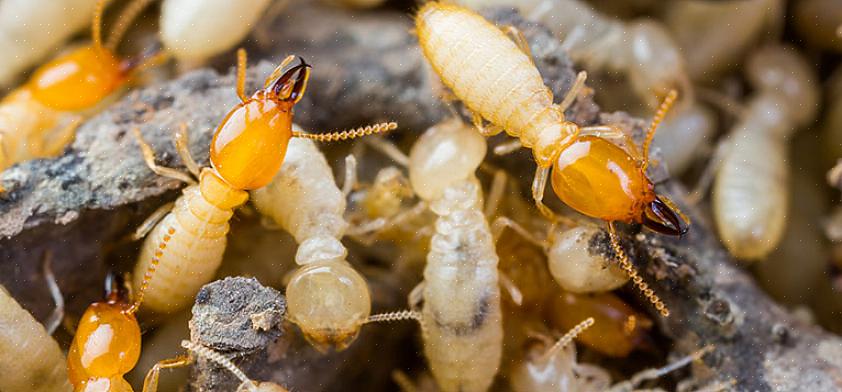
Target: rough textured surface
<point x="79" y="204"/>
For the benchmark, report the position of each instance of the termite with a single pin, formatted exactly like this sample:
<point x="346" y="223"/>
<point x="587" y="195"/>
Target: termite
<point x="40" y="118"/>
<point x="356" y="3"/>
<point x="498" y="81"/>
<point x="246" y="151"/>
<point x="29" y="30"/>
<point x="552" y="367"/>
<point x="106" y="345"/>
<point x="750" y="196"/>
<point x="619" y="328"/>
<point x="326" y="297"/>
<point x="195" y="30"/>
<point x="150" y="384"/>
<point x="30" y="359"/>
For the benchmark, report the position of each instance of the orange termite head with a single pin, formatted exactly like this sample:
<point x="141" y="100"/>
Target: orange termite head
<point x="661" y="216"/>
<point x="291" y="85"/>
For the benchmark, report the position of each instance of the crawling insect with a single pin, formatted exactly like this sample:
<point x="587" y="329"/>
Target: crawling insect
<point x="30" y="359"/>
<point x="619" y="328"/>
<point x="590" y="174"/>
<point x="150" y="384"/>
<point x="247" y="150"/>
<point x="31" y="29"/>
<point x="326" y="297"/>
<point x="552" y="367"/>
<point x="749" y="195"/>
<point x="40" y="118"/>
<point x="195" y="30"/>
<point x="106" y="345"/>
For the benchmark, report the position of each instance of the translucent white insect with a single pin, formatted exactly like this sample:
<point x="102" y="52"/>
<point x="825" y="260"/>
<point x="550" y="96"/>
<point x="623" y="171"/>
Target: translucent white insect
<point x="554" y="368"/>
<point x="31" y="29"/>
<point x="749" y="195"/>
<point x="195" y="30"/>
<point x="577" y="257"/>
<point x="30" y="359"/>
<point x="356" y="3"/>
<point x="326" y="297"/>
<point x="150" y="384"/>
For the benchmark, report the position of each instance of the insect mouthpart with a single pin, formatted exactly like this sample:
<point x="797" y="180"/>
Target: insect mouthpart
<point x="291" y="85"/>
<point x="660" y="217"/>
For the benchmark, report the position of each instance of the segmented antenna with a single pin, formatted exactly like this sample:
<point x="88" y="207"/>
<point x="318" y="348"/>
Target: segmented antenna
<point x="567" y="338"/>
<point x="659" y="116"/>
<point x="628" y="268"/>
<point x="96" y="24"/>
<point x="153" y="266"/>
<point x="349" y="134"/>
<point x="394" y="316"/>
<point x="220" y="360"/>
<point x="129" y="13"/>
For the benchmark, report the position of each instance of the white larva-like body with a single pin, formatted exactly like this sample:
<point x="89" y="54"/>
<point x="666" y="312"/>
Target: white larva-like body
<point x="749" y="195"/>
<point x="196" y="30"/>
<point x="461" y="316"/>
<point x="22" y="122"/>
<point x="188" y="244"/>
<point x="326" y="297"/>
<point x="680" y="137"/>
<point x="574" y="265"/>
<point x="31" y="29"/>
<point x="558" y="373"/>
<point x="492" y="76"/>
<point x="30" y="359"/>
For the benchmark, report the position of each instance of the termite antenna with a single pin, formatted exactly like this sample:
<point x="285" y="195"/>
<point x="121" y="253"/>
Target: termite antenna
<point x="567" y="338"/>
<point x="348" y="134"/>
<point x="96" y="24"/>
<point x="150" y="271"/>
<point x="52" y="323"/>
<point x="628" y="268"/>
<point x="659" y="116"/>
<point x="652" y="374"/>
<point x="394" y="316"/>
<point x="129" y="13"/>
<point x="220" y="360"/>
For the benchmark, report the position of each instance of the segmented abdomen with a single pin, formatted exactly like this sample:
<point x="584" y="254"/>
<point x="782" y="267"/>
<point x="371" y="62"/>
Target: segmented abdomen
<point x="486" y="70"/>
<point x="189" y="243"/>
<point x="30" y="359"/>
<point x="461" y="315"/>
<point x="23" y="123"/>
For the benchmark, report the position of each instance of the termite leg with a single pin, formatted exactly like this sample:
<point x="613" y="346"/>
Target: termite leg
<point x="402" y="380"/>
<point x="388" y="149"/>
<point x="150" y="382"/>
<point x="52" y="323"/>
<point x="659" y="116"/>
<point x="276" y="73"/>
<point x="242" y="61"/>
<point x="96" y="25"/>
<point x="350" y="181"/>
<point x="61" y="139"/>
<point x="507" y="147"/>
<point x="129" y="13"/>
<point x="709" y="173"/>
<point x="495" y="193"/>
<point x="149" y="158"/>
<point x="571" y="95"/>
<point x="511" y="288"/>
<point x="539" y="184"/>
<point x="182" y="146"/>
<point x="150" y="222"/>
<point x="651" y="374"/>
<point x="480" y="124"/>
<point x="517" y="36"/>
<point x="628" y="268"/>
<point x="500" y="224"/>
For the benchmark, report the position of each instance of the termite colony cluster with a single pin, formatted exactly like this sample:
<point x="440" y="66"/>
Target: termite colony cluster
<point x="140" y="152"/>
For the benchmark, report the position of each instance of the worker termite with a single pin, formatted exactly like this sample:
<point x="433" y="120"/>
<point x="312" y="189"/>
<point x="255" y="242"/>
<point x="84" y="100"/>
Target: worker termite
<point x="247" y="150"/>
<point x="590" y="174"/>
<point x="40" y="118"/>
<point x="548" y="366"/>
<point x="29" y="30"/>
<point x="326" y="297"/>
<point x="749" y="194"/>
<point x="150" y="384"/>
<point x="195" y="30"/>
<point x="30" y="359"/>
<point x="619" y="329"/>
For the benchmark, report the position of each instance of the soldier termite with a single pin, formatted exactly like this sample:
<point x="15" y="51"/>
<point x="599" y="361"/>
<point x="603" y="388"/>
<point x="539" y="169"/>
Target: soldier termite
<point x="326" y="297"/>
<point x="195" y="30"/>
<point x="247" y="150"/>
<point x="30" y="29"/>
<point x="150" y="384"/>
<point x="30" y="359"/>
<point x="499" y="82"/>
<point x="749" y="195"/>
<point x="552" y="366"/>
<point x="40" y="118"/>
